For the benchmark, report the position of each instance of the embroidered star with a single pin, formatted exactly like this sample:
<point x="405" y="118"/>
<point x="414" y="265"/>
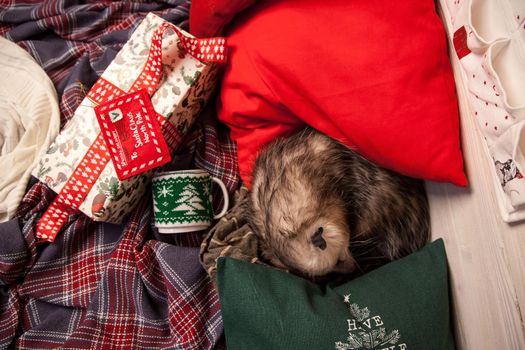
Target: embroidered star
<point x="347" y="298"/>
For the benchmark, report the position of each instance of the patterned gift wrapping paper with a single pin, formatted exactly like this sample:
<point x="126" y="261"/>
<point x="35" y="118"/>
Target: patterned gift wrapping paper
<point x="186" y="83"/>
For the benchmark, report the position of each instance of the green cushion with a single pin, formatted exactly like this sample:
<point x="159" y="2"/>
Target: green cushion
<point x="402" y="305"/>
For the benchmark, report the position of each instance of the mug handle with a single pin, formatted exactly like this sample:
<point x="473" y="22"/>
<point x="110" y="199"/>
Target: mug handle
<point x="224" y="194"/>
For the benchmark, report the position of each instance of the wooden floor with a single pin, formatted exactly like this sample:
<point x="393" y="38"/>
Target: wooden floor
<point x="486" y="255"/>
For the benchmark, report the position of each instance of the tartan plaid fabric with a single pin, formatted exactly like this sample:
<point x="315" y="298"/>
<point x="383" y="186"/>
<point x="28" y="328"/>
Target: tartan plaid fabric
<point x="102" y="285"/>
<point x="75" y="41"/>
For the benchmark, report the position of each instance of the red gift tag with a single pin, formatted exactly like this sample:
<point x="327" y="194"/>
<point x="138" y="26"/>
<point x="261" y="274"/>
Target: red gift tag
<point x="132" y="134"/>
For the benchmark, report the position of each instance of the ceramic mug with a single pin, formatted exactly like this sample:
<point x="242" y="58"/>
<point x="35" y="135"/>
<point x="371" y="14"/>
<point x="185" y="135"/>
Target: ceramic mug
<point x="182" y="200"/>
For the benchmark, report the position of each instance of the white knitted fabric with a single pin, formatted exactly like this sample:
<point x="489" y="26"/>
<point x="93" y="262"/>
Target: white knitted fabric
<point x="29" y="121"/>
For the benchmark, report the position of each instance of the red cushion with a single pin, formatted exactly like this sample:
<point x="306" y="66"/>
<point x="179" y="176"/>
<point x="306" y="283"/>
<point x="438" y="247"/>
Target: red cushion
<point x="373" y="74"/>
<point x="209" y="17"/>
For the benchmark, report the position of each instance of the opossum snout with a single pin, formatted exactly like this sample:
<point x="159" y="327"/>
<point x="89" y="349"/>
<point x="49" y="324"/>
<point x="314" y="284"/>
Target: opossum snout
<point x="318" y="240"/>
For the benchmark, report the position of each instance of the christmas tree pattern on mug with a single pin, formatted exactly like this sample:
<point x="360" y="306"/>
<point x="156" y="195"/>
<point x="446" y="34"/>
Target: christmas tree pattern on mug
<point x="182" y="200"/>
<point x="368" y="332"/>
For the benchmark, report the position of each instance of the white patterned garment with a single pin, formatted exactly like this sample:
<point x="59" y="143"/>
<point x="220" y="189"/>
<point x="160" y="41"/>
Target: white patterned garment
<point x="29" y="121"/>
<point x="489" y="39"/>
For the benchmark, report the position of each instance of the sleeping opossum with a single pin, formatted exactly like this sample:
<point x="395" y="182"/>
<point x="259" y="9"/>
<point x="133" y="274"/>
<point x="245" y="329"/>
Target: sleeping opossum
<point x="319" y="207"/>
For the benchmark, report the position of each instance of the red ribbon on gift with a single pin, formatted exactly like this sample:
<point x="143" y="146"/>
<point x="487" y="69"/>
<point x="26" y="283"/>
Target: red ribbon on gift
<point x="91" y="166"/>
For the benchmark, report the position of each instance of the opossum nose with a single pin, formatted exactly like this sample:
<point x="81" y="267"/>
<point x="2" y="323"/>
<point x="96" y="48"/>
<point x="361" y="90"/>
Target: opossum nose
<point x="318" y="240"/>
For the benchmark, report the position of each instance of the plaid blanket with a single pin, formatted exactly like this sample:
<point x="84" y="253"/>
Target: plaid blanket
<point x="102" y="285"/>
<point x="75" y="41"/>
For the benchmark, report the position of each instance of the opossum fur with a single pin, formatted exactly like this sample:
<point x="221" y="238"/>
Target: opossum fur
<point x="318" y="207"/>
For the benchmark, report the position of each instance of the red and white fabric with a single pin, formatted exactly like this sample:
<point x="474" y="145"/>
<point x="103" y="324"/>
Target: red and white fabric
<point x="489" y="40"/>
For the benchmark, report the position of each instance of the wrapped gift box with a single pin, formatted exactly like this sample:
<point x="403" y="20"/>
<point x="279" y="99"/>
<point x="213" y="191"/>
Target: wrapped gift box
<point x="185" y="85"/>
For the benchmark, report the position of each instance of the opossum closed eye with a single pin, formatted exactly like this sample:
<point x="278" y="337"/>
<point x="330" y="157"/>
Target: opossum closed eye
<point x="319" y="207"/>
